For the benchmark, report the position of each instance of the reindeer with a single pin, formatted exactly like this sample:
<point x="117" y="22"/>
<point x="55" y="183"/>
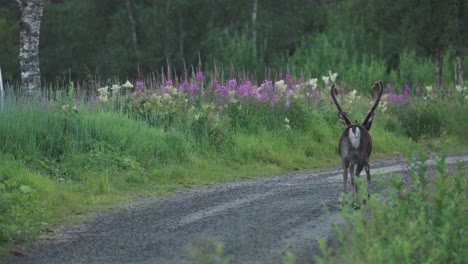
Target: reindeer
<point x="355" y="145"/>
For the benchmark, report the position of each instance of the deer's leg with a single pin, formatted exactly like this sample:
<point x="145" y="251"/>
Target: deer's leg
<point x="351" y="174"/>
<point x="345" y="174"/>
<point x="368" y="178"/>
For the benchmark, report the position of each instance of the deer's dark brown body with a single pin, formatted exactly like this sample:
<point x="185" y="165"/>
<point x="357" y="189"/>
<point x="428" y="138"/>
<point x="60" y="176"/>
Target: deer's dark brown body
<point x="355" y="145"/>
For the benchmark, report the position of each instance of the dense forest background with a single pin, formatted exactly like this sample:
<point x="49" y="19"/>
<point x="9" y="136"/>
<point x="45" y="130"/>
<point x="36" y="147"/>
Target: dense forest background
<point x="82" y="39"/>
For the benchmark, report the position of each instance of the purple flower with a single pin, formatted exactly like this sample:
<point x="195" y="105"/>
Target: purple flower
<point x="407" y="90"/>
<point x="417" y="90"/>
<point x="342" y="90"/>
<point x="183" y="86"/>
<point x="287" y="78"/>
<point x="140" y="85"/>
<point x="194" y="88"/>
<point x="287" y="104"/>
<point x="389" y="87"/>
<point x="232" y="83"/>
<point x="267" y="84"/>
<point x="275" y="99"/>
<point x="222" y="90"/>
<point x="244" y="89"/>
<point x="393" y="97"/>
<point x="254" y="92"/>
<point x="317" y="100"/>
<point x="200" y="76"/>
<point x="263" y="95"/>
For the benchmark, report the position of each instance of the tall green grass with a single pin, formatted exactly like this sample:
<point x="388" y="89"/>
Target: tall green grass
<point x="420" y="222"/>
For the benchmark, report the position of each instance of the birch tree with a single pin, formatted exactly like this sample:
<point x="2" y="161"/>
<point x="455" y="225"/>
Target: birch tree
<point x="31" y="16"/>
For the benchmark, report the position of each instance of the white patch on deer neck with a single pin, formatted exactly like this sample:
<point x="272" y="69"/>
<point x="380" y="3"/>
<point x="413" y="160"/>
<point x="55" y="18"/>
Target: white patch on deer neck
<point x="355" y="137"/>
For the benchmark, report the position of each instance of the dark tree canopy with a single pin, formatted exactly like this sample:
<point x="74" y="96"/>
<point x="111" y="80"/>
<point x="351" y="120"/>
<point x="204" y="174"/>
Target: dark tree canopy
<point x="86" y="38"/>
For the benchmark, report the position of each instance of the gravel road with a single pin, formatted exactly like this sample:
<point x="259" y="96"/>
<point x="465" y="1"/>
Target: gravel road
<point x="255" y="221"/>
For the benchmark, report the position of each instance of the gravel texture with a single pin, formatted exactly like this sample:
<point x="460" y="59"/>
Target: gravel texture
<point x="255" y="221"/>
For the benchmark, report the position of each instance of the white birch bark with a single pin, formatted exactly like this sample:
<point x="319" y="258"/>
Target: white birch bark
<point x="31" y="16"/>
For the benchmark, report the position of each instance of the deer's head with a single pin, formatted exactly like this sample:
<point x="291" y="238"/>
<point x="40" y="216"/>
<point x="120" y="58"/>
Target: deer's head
<point x="343" y="116"/>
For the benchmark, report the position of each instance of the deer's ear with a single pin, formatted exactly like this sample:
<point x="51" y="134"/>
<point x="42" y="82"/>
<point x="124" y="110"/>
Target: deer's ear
<point x="368" y="124"/>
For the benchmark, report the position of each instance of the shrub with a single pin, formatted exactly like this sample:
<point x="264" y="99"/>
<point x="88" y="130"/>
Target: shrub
<point x="420" y="222"/>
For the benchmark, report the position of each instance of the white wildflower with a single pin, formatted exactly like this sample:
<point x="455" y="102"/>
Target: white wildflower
<point x="332" y="76"/>
<point x="352" y="95"/>
<point x="280" y="86"/>
<point x="171" y="90"/>
<point x="429" y="88"/>
<point x="326" y="79"/>
<point x="127" y="84"/>
<point x="115" y="89"/>
<point x="286" y="120"/>
<point x="166" y="97"/>
<point x="313" y="83"/>
<point x="287" y="127"/>
<point x="458" y="88"/>
<point x="103" y="94"/>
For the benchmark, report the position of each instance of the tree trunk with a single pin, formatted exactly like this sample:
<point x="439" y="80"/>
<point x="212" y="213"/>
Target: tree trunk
<point x="167" y="43"/>
<point x="254" y="22"/>
<point x="460" y="5"/>
<point x="439" y="66"/>
<point x="181" y="37"/>
<point x="30" y="25"/>
<point x="133" y="26"/>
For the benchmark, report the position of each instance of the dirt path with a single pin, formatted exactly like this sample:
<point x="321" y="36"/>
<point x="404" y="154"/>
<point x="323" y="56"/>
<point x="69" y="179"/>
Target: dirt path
<point x="255" y="221"/>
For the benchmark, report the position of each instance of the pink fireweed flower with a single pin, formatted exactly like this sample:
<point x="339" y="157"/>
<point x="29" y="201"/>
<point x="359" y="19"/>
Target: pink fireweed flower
<point x="140" y="85"/>
<point x="232" y="83"/>
<point x="267" y="84"/>
<point x="194" y="88"/>
<point x="222" y="90"/>
<point x="287" y="78"/>
<point x="199" y="76"/>
<point x="183" y="86"/>
<point x="275" y="99"/>
<point x="389" y="87"/>
<point x="254" y="92"/>
<point x="244" y="89"/>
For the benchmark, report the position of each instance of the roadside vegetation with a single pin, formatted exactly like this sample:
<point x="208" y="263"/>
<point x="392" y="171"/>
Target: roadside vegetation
<point x="67" y="155"/>
<point x="420" y="221"/>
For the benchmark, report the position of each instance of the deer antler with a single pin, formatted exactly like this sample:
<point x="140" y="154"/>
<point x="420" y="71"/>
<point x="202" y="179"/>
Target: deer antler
<point x="367" y="123"/>
<point x="343" y="116"/>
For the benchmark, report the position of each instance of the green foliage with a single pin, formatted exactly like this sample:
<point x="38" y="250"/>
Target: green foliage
<point x="323" y="52"/>
<point x="422" y="118"/>
<point x="207" y="251"/>
<point x="22" y="214"/>
<point x="236" y="49"/>
<point x="423" y="221"/>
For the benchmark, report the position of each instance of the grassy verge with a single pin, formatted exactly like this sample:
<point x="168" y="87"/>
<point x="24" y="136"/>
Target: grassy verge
<point x="63" y="158"/>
